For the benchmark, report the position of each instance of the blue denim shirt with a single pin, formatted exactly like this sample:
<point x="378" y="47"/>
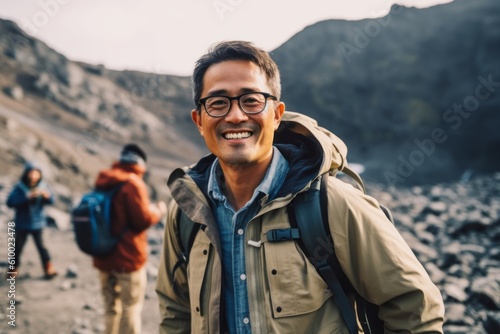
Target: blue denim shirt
<point x="232" y="226"/>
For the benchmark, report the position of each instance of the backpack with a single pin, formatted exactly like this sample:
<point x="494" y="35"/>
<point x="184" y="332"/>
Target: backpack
<point x="309" y="223"/>
<point x="91" y="220"/>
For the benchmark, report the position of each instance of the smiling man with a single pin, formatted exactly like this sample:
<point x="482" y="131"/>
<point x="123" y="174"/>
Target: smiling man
<point x="261" y="157"/>
<point x="235" y="127"/>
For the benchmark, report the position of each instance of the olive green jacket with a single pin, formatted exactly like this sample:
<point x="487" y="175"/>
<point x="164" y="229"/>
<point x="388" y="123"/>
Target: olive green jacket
<point x="286" y="294"/>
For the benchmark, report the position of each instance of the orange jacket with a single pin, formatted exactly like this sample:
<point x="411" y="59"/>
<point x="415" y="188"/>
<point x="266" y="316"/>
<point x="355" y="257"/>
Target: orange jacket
<point x="131" y="215"/>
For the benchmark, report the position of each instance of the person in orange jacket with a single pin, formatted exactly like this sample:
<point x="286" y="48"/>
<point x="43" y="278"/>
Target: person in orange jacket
<point x="123" y="273"/>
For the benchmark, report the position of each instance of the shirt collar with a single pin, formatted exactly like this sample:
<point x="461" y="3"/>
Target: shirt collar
<point x="269" y="186"/>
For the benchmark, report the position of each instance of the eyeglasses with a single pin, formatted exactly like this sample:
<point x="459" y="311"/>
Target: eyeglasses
<point x="250" y="103"/>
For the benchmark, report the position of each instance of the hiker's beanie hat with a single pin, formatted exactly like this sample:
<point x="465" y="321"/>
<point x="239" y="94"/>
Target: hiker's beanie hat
<point x="133" y="154"/>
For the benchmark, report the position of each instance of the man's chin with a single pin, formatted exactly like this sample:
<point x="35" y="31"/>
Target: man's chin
<point x="236" y="159"/>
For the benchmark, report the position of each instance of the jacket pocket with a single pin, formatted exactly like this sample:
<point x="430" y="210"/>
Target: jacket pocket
<point x="294" y="284"/>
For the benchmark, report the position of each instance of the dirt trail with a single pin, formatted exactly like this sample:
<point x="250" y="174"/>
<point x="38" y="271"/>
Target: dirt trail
<point x="63" y="305"/>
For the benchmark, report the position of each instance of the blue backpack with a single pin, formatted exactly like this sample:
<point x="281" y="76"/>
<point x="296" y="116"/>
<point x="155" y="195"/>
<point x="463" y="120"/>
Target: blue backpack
<point x="91" y="220"/>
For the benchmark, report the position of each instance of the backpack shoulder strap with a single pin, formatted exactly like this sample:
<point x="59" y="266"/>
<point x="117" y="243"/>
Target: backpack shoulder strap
<point x="309" y="215"/>
<point x="187" y="230"/>
<point x="111" y="193"/>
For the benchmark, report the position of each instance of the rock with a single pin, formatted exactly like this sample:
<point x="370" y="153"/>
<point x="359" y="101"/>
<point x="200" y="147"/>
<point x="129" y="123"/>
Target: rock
<point x="47" y="87"/>
<point x="456" y="314"/>
<point x="464" y="330"/>
<point x="405" y="220"/>
<point x="72" y="271"/>
<point x="456" y="292"/>
<point x="423" y="252"/>
<point x="436" y="208"/>
<point x="436" y="192"/>
<point x="94" y="69"/>
<point x="152" y="271"/>
<point x="487" y="291"/>
<point x="436" y="274"/>
<point x="66" y="285"/>
<point x="154" y="240"/>
<point x="16" y="92"/>
<point x="492" y="323"/>
<point x="99" y="327"/>
<point x="10" y="125"/>
<point x="435" y="224"/>
<point x="59" y="218"/>
<point x="473" y="222"/>
<point x="417" y="190"/>
<point x="88" y="307"/>
<point x="424" y="236"/>
<point x="477" y="250"/>
<point x="494" y="272"/>
<point x="450" y="255"/>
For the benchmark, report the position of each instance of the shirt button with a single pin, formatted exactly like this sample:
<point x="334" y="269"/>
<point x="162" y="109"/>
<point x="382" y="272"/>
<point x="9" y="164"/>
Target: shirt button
<point x="243" y="277"/>
<point x="240" y="231"/>
<point x="246" y="321"/>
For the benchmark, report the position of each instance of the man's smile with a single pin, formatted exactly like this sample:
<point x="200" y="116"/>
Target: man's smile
<point x="237" y="135"/>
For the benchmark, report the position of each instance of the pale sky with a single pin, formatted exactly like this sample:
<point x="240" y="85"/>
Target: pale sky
<point x="167" y="36"/>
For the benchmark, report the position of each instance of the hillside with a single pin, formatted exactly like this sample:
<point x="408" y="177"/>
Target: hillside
<point x="75" y="117"/>
<point x="383" y="84"/>
<point x="147" y="107"/>
<point x="414" y="94"/>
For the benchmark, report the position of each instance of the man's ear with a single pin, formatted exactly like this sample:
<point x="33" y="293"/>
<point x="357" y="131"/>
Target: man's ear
<point x="196" y="117"/>
<point x="278" y="114"/>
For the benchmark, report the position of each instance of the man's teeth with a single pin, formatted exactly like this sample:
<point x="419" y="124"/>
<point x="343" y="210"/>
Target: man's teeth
<point x="238" y="135"/>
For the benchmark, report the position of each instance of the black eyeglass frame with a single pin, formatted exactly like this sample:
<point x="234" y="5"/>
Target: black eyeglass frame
<point x="202" y="101"/>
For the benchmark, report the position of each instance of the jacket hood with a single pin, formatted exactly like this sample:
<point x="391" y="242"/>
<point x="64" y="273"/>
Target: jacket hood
<point x="311" y="150"/>
<point x="331" y="148"/>
<point x="29" y="166"/>
<point x="119" y="173"/>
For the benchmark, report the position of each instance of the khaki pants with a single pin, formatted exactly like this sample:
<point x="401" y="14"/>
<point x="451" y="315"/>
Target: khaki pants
<point x="123" y="300"/>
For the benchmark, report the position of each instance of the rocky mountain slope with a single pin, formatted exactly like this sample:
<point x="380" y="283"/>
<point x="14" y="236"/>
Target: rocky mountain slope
<point x="74" y="117"/>
<point x="414" y="94"/>
<point x="419" y="85"/>
<point x="117" y="106"/>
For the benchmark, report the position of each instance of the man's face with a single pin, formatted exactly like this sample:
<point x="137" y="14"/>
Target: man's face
<point x="256" y="132"/>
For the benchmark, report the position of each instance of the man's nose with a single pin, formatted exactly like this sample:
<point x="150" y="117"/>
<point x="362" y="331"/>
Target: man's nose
<point x="235" y="114"/>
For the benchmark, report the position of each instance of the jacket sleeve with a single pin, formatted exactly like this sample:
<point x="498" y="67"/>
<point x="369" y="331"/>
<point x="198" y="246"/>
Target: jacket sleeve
<point x="49" y="200"/>
<point x="172" y="287"/>
<point x="17" y="198"/>
<point x="138" y="205"/>
<point x="380" y="264"/>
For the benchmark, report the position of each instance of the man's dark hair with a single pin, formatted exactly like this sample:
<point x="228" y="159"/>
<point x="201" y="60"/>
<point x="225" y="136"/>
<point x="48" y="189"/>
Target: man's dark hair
<point x="235" y="50"/>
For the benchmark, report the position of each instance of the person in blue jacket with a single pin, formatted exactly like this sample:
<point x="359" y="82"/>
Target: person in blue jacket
<point x="28" y="199"/>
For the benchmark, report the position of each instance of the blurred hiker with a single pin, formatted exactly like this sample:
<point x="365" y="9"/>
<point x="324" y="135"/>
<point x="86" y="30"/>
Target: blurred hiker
<point x="244" y="270"/>
<point x="28" y="199"/>
<point x="123" y="272"/>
